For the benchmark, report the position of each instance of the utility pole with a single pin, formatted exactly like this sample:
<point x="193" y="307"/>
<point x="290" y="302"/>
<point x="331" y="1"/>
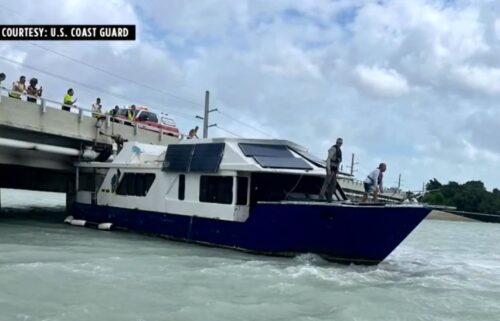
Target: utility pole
<point x="205" y="117"/>
<point x="399" y="182"/>
<point x="352" y="164"/>
<point x="206" y="113"/>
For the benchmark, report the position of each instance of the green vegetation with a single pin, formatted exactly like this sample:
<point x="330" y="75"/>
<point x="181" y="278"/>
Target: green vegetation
<point x="470" y="197"/>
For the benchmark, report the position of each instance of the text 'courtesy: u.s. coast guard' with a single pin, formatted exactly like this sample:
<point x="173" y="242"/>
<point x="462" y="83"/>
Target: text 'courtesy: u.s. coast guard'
<point x="67" y="32"/>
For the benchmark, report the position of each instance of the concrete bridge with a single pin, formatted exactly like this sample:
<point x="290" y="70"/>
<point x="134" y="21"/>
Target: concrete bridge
<point x="39" y="142"/>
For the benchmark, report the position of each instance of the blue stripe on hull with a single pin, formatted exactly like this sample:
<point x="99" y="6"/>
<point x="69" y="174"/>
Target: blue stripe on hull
<point x="364" y="235"/>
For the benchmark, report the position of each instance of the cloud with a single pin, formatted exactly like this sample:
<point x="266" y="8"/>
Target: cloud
<point x="476" y="154"/>
<point x="292" y="62"/>
<point x="478" y="78"/>
<point x="381" y="82"/>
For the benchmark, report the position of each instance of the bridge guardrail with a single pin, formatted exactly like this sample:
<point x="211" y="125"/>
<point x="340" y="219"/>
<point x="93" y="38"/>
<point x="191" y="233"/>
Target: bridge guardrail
<point x="81" y="111"/>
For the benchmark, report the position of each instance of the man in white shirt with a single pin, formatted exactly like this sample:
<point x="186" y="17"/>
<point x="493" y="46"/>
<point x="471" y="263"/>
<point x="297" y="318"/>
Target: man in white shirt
<point x="373" y="182"/>
<point x="97" y="108"/>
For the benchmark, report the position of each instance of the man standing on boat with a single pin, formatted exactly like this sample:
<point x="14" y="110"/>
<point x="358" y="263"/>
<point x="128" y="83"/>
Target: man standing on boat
<point x="373" y="182"/>
<point x="332" y="167"/>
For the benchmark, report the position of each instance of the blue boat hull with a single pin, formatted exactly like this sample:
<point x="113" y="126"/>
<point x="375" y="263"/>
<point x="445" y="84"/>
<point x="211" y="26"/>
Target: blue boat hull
<point x="357" y="234"/>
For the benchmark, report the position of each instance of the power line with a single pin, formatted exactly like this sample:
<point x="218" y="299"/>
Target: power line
<point x="115" y="75"/>
<point x="245" y="124"/>
<point x="228" y="131"/>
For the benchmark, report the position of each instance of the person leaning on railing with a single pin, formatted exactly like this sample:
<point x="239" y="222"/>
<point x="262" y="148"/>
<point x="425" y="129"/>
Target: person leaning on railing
<point x="68" y="102"/>
<point x="97" y="108"/>
<point x="18" y="87"/>
<point x="32" y="91"/>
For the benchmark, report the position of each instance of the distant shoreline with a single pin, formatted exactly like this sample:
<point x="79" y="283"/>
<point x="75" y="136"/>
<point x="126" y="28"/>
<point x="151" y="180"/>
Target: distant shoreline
<point x="444" y="216"/>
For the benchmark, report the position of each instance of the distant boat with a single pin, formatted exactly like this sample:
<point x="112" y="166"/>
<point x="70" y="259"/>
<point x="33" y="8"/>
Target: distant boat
<point x="259" y="196"/>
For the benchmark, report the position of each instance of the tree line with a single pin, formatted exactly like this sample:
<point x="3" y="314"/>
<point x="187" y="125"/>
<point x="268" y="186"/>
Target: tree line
<point x="471" y="196"/>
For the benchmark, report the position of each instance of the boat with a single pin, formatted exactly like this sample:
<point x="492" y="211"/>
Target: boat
<point x="254" y="195"/>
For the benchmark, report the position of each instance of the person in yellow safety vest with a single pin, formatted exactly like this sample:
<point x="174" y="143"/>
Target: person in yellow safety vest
<point x="68" y="102"/>
<point x="131" y="113"/>
<point x="18" y="87"/>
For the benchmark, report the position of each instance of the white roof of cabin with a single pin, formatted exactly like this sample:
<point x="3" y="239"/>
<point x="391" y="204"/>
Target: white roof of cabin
<point x="233" y="158"/>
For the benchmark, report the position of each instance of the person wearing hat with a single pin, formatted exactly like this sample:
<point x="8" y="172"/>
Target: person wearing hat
<point x="332" y="168"/>
<point x="18" y="87"/>
<point x="32" y="91"/>
<point x="373" y="182"/>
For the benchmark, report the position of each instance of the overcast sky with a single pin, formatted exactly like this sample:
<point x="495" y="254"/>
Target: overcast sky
<point x="414" y="83"/>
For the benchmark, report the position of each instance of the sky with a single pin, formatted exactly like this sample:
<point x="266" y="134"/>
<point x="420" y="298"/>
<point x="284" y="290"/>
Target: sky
<point x="413" y="83"/>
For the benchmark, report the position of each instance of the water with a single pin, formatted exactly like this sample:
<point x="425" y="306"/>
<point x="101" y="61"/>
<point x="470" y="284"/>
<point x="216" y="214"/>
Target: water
<point x="51" y="271"/>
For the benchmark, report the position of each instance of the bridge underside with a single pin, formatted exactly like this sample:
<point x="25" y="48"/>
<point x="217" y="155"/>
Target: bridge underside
<point x="40" y="179"/>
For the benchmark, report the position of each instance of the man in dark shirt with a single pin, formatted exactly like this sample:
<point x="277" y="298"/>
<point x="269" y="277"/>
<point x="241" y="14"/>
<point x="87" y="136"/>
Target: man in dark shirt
<point x="332" y="167"/>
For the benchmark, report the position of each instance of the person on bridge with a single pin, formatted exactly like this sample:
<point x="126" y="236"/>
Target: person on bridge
<point x="97" y="108"/>
<point x="332" y="168"/>
<point x="132" y="112"/>
<point x="33" y="92"/>
<point x="2" y="77"/>
<point x="68" y="102"/>
<point x="193" y="133"/>
<point x="18" y="87"/>
<point x="373" y="182"/>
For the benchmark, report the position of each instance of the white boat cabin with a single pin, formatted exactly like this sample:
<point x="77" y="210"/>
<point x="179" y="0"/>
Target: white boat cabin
<point x="218" y="178"/>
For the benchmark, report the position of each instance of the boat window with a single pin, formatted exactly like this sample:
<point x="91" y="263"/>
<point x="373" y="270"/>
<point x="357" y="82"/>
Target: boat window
<point x="241" y="190"/>
<point x="270" y="187"/>
<point x="216" y="189"/>
<point x="182" y="186"/>
<point x="135" y="184"/>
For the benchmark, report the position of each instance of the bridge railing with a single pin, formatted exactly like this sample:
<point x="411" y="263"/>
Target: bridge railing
<point x="45" y="103"/>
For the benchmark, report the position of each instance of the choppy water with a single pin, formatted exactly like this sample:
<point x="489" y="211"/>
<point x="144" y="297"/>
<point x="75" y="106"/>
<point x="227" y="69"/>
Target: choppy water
<point x="51" y="271"/>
